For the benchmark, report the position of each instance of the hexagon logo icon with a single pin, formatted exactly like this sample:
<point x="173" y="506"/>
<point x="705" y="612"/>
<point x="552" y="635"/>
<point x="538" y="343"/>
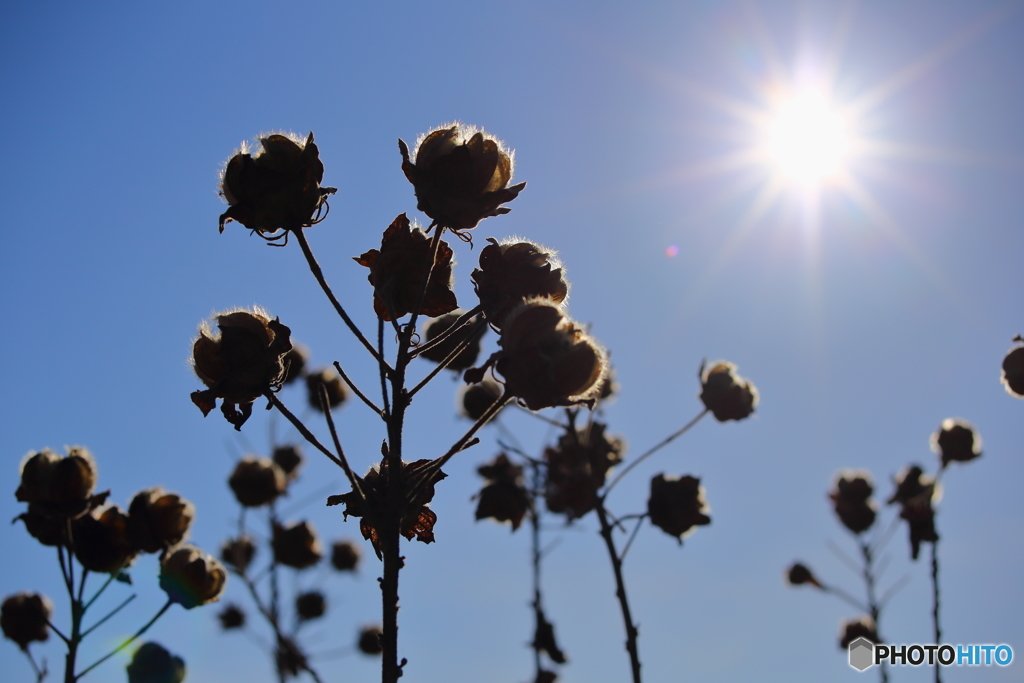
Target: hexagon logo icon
<point x="862" y="654"/>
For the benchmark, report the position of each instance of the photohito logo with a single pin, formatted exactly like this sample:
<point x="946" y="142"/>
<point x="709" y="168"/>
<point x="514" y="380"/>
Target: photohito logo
<point x="865" y="654"/>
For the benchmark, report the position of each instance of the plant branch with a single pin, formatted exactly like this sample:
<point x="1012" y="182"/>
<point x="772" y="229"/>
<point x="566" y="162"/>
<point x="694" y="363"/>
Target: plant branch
<point x="455" y="327"/>
<point x="355" y="390"/>
<point x="444" y="362"/>
<point x="654" y="449"/>
<point x="136" y="636"/>
<point x="109" y="615"/>
<point x="935" y="604"/>
<point x="297" y="423"/>
<point x="620" y="591"/>
<point x="314" y="267"/>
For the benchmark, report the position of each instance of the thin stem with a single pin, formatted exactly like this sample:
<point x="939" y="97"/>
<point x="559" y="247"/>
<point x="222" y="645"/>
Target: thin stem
<point x="445" y="361"/>
<point x="654" y="449"/>
<point x="452" y="329"/>
<point x="537" y="556"/>
<point x="873" y="606"/>
<point x="342" y="460"/>
<point x="297" y="423"/>
<point x="109" y="615"/>
<point x="56" y="630"/>
<point x="314" y="267"/>
<point x="383" y="368"/>
<point x="40" y="673"/>
<point x="110" y="579"/>
<point x="136" y="636"/>
<point x="275" y="596"/>
<point x="845" y="597"/>
<point x="355" y="390"/>
<point x="625" y="548"/>
<point x="620" y="591"/>
<point x="542" y="418"/>
<point x="935" y="604"/>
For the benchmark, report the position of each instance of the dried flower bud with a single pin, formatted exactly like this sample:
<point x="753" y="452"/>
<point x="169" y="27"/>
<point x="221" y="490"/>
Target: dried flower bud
<point x="296" y="545"/>
<point x="151" y="663"/>
<point x="345" y="556"/>
<point x="544" y="638"/>
<point x="677" y="505"/>
<point x="1013" y="371"/>
<point x="461" y="176"/>
<point x="192" y="578"/>
<point x="278" y="189"/>
<point x="956" y="441"/>
<point x="547" y="359"/>
<point x="852" y="629"/>
<point x="101" y="540"/>
<point x="369" y="640"/>
<point x="475" y="399"/>
<point x="609" y="385"/>
<point x="241" y="363"/>
<point x="232" y="616"/>
<point x="851" y="498"/>
<point x="59" y="486"/>
<point x="158" y="520"/>
<point x="290" y="659"/>
<point x="418" y="479"/>
<point x="238" y="552"/>
<point x="470" y="331"/>
<point x="727" y="395"/>
<point x="289" y="459"/>
<point x="257" y="481"/>
<point x="915" y="493"/>
<point x="48" y="530"/>
<point x="295" y="362"/>
<point x="24" y="618"/>
<point x="512" y="271"/>
<point x="798" y="574"/>
<point x="337" y="392"/>
<point x="505" y="498"/>
<point x="310" y="605"/>
<point x="399" y="270"/>
<point x="577" y="468"/>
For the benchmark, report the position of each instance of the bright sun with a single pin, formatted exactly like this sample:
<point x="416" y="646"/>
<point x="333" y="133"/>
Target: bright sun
<point x="808" y="139"/>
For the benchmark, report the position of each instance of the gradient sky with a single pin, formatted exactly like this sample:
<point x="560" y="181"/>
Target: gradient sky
<point x="865" y="312"/>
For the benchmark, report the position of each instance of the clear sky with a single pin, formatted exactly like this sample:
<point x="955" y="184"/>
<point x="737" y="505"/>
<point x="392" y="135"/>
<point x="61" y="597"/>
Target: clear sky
<point x="867" y="305"/>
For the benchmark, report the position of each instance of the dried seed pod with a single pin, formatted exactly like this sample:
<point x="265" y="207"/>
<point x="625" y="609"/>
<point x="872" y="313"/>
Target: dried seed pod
<point x="418" y="479"/>
<point x="727" y="395"/>
<point x="799" y="574"/>
<point x="101" y="540"/>
<point x="289" y="459"/>
<point x="852" y="629"/>
<point x="238" y="552"/>
<point x="231" y="617"/>
<point x="475" y="399"/>
<point x="915" y="493"/>
<point x="851" y="499"/>
<point x="296" y="545"/>
<point x="310" y="605"/>
<point x="152" y="663"/>
<point x="956" y="441"/>
<point x="345" y="556"/>
<point x="257" y="481"/>
<point x="295" y="362"/>
<point x="24" y="618"/>
<point x="399" y="269"/>
<point x="577" y="468"/>
<point x="241" y="363"/>
<point x="465" y="358"/>
<point x="192" y="578"/>
<point x="48" y="530"/>
<point x="676" y="505"/>
<point x="337" y="392"/>
<point x="547" y="359"/>
<point x="368" y="641"/>
<point x="514" y="270"/>
<point x="460" y="175"/>
<point x="59" y="486"/>
<point x="504" y="498"/>
<point x="276" y="190"/>
<point x="158" y="520"/>
<point x="1013" y="371"/>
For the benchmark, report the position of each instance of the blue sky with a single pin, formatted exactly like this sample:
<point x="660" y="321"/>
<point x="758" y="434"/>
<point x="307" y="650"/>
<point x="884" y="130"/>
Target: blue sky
<point x="865" y="312"/>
